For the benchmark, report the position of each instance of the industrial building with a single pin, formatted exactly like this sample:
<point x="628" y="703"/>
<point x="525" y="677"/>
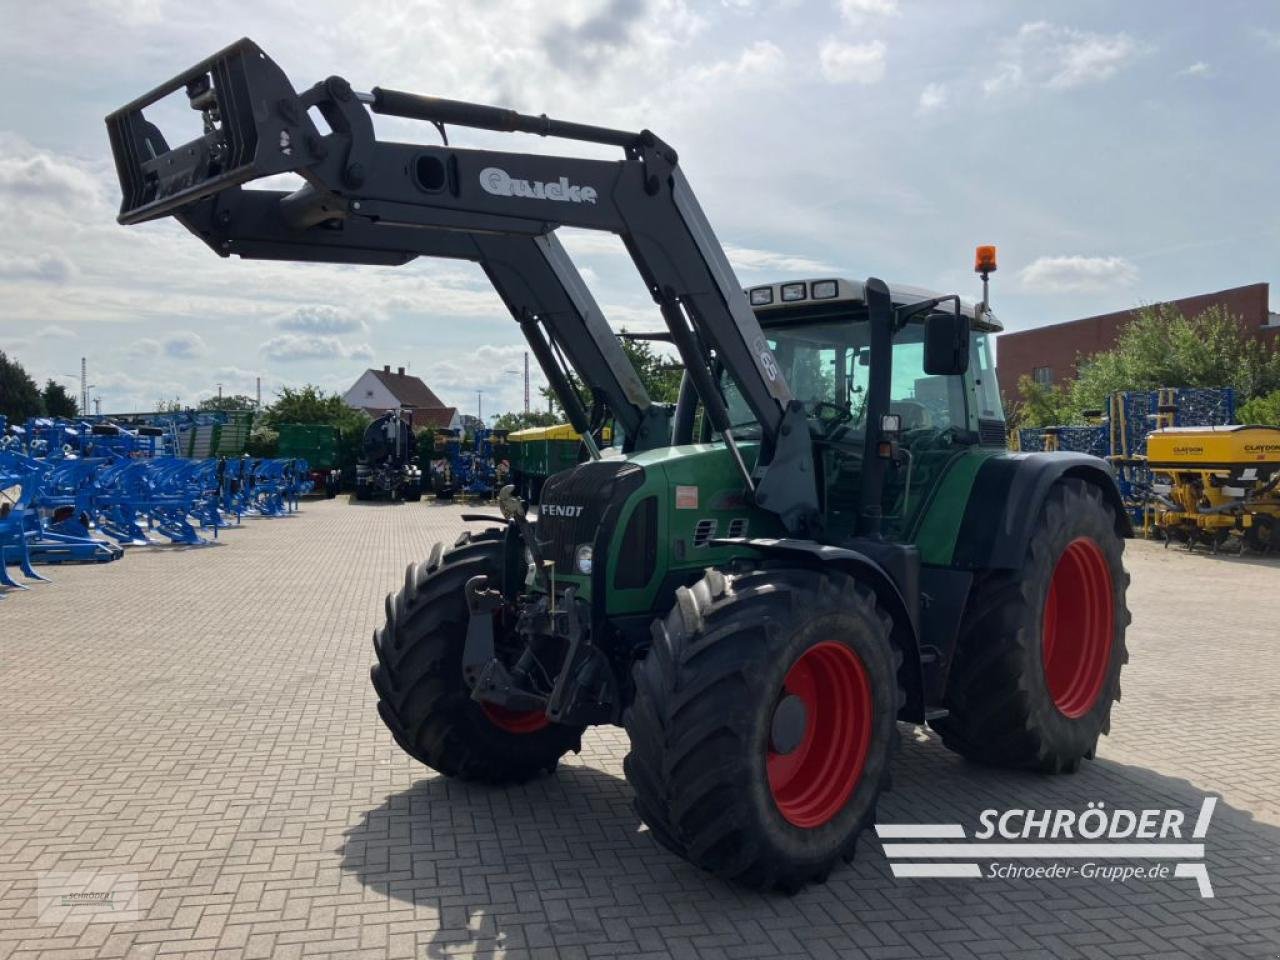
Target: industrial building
<point x="1049" y="354"/>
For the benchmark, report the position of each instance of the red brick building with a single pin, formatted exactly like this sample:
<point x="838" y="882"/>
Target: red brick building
<point x="1048" y="354"/>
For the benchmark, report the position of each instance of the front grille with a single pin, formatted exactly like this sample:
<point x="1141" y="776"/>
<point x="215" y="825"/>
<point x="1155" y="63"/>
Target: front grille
<point x="575" y="501"/>
<point x="991" y="433"/>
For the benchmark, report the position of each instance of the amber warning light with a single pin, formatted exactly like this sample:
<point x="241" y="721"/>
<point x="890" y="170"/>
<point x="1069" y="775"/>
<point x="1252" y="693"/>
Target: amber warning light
<point x="984" y="260"/>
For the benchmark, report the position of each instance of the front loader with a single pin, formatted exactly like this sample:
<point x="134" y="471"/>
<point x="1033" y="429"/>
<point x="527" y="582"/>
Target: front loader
<point x="825" y="536"/>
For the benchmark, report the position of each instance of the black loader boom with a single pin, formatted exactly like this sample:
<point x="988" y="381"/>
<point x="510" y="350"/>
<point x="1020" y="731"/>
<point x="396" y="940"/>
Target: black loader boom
<point x="371" y="201"/>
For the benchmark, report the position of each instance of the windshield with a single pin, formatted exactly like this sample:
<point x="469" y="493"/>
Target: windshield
<point x="826" y="365"/>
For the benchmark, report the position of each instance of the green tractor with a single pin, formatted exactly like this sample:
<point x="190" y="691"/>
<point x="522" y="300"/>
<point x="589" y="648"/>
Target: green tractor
<point x="825" y="537"/>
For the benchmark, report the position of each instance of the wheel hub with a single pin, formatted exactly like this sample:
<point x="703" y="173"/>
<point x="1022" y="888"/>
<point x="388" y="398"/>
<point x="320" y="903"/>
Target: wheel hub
<point x="789" y="720"/>
<point x="1079" y="620"/>
<point x="827" y="700"/>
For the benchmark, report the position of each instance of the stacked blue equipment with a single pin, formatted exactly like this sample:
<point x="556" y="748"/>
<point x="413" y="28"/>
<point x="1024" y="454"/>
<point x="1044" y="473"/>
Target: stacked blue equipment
<point x="1121" y="437"/>
<point x="62" y="482"/>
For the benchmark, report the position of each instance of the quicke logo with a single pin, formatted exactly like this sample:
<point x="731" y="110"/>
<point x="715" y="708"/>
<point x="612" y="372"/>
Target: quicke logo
<point x="498" y="182"/>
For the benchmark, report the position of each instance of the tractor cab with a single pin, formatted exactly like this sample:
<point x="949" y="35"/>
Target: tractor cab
<point x="820" y="335"/>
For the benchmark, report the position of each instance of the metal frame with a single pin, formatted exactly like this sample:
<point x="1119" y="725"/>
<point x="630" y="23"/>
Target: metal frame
<point x="371" y="201"/>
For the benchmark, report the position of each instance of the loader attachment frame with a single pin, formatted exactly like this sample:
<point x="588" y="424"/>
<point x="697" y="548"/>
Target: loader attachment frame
<point x="372" y="201"/>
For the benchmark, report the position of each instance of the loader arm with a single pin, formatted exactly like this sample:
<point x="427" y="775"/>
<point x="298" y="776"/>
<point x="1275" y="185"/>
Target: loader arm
<point x="533" y="276"/>
<point x="359" y="190"/>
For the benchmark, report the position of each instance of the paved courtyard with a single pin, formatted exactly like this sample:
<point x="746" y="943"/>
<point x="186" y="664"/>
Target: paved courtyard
<point x="195" y="729"/>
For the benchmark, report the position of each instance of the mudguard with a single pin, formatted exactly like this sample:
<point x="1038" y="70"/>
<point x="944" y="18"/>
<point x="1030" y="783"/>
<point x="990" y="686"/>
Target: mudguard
<point x="1006" y="497"/>
<point x="896" y="583"/>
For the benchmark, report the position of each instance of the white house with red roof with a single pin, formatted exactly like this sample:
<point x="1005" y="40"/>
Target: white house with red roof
<point x="377" y="391"/>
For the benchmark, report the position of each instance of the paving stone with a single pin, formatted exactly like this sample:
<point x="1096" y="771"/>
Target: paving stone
<point x="201" y="721"/>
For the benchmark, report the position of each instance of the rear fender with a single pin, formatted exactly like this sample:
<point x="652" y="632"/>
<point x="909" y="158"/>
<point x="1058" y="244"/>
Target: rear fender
<point x="865" y="569"/>
<point x="1000" y="516"/>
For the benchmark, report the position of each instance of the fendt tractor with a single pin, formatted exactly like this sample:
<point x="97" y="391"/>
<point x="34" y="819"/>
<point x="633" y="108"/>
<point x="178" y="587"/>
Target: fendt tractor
<point x="824" y="537"/>
<point x="388" y="464"/>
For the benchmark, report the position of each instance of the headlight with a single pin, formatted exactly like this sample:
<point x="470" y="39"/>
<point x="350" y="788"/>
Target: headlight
<point x="582" y="559"/>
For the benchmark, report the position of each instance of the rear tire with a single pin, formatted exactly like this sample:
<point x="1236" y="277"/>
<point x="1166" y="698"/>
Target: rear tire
<point x="422" y="696"/>
<point x="1037" y="664"/>
<point x="719" y="776"/>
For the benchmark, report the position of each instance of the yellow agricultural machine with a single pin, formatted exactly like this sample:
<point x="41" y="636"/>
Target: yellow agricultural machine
<point x="1209" y="484"/>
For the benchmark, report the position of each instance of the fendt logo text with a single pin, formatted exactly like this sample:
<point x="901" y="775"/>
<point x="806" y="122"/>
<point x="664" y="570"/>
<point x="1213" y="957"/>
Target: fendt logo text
<point x="498" y="182"/>
<point x="1077" y="844"/>
<point x="560" y="510"/>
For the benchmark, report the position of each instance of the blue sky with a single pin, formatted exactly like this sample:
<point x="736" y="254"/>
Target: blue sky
<point x="1117" y="153"/>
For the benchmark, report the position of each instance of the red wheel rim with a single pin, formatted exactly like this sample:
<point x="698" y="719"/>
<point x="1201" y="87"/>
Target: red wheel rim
<point x="1079" y="617"/>
<point x="515" y="721"/>
<point x="812" y="783"/>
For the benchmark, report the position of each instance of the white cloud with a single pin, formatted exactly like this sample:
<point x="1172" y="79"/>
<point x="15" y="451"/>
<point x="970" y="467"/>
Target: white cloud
<point x="855" y="10"/>
<point x="1269" y="38"/>
<point x="26" y="174"/>
<point x="852" y="62"/>
<point x="1198" y="69"/>
<point x="289" y="347"/>
<point x="1046" y="55"/>
<point x="184" y="345"/>
<point x="1077" y="274"/>
<point x="181" y="345"/>
<point x="758" y="63"/>
<point x="321" y="318"/>
<point x="932" y="97"/>
<point x="748" y="260"/>
<point x="43" y="267"/>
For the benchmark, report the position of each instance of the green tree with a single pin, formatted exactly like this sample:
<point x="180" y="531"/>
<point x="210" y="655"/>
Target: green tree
<point x="659" y="373"/>
<point x="523" y="421"/>
<point x="19" y="396"/>
<point x="263" y="441"/>
<point x="1042" y="404"/>
<point x="58" y="401"/>
<point x="310" y="404"/>
<point x="1161" y="347"/>
<point x="234" y="402"/>
<point x="1264" y="410"/>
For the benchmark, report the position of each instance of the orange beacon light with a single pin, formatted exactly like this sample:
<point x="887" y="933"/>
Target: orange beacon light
<point x="984" y="259"/>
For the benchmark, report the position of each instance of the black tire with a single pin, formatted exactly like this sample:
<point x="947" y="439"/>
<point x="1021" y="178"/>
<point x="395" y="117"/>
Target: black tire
<point x="704" y="704"/>
<point x="1261" y="536"/>
<point x="422" y="697"/>
<point x="362" y="492"/>
<point x="1002" y="709"/>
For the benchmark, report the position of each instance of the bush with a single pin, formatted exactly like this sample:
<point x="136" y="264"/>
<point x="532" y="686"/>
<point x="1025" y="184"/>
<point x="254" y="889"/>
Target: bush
<point x="1264" y="410"/>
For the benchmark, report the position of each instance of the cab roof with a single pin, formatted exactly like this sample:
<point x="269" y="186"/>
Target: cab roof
<point x="785" y="295"/>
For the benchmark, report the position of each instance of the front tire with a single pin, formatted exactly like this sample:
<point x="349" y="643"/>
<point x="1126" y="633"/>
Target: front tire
<point x="422" y="696"/>
<point x="764" y="724"/>
<point x="1037" y="664"/>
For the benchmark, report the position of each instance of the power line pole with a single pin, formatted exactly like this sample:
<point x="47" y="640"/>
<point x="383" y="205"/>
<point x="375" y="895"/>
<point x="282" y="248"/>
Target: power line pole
<point x="480" y="406"/>
<point x="526" y="382"/>
<point x="84" y="388"/>
<point x="259" y="404"/>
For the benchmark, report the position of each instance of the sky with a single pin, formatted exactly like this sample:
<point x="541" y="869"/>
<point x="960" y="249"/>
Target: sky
<point x="1116" y="152"/>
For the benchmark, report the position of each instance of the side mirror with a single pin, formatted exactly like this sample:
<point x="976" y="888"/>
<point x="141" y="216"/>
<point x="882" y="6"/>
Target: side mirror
<point x="946" y="344"/>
